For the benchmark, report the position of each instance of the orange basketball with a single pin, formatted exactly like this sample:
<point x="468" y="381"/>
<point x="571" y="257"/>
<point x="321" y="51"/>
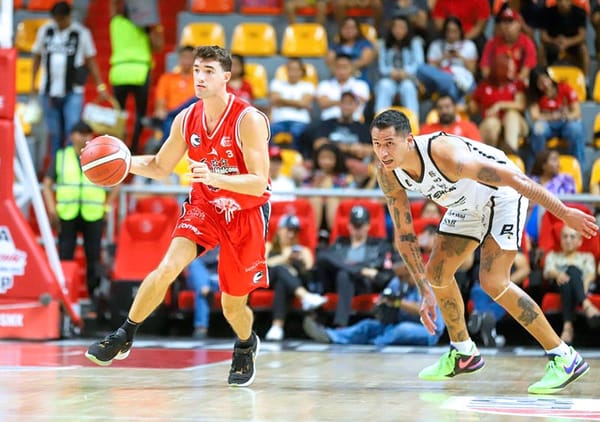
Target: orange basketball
<point x="105" y="160"/>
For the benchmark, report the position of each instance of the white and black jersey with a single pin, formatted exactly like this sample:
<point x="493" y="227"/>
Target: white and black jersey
<point x="474" y="209"/>
<point x="63" y="54"/>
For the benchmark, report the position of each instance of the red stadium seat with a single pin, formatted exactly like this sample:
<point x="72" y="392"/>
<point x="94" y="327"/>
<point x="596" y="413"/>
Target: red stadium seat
<point x="143" y="240"/>
<point x="40" y="5"/>
<point x="376" y="210"/>
<point x="272" y="7"/>
<point x="159" y="204"/>
<point x="551" y="226"/>
<point x="212" y="6"/>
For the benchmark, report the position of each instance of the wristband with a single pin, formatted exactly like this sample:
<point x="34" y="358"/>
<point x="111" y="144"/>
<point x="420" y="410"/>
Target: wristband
<point x="101" y="87"/>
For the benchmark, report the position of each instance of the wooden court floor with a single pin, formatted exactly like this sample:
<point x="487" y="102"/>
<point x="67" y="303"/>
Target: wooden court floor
<point x="296" y="381"/>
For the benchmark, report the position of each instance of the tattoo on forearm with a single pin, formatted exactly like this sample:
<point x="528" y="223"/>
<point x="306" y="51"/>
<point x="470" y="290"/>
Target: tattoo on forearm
<point x="538" y="194"/>
<point x="396" y="217"/>
<point x="408" y="218"/>
<point x="528" y="310"/>
<point x="489" y="175"/>
<point x="407" y="237"/>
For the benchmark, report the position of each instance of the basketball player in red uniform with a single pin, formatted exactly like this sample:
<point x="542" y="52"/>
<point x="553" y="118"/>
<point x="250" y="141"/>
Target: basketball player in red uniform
<point x="227" y="144"/>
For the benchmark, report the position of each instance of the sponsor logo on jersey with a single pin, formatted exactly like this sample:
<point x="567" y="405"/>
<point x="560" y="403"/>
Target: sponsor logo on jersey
<point x="225" y="141"/>
<point x="195" y="140"/>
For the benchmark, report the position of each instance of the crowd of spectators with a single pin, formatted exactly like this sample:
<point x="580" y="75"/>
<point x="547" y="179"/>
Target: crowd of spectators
<point x="433" y="59"/>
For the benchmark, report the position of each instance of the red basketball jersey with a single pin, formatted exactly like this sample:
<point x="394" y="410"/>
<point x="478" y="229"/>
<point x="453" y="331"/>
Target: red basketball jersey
<point x="221" y="150"/>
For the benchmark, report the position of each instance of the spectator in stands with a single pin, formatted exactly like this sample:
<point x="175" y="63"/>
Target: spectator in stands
<point x="329" y="172"/>
<point x="486" y="313"/>
<point x="131" y="61"/>
<point x="290" y="264"/>
<point x="451" y="63"/>
<point x="555" y="112"/>
<point x="351" y="41"/>
<point x="395" y="322"/>
<point x="329" y="91"/>
<point x="354" y="265"/>
<point x="175" y="90"/>
<point x="595" y="21"/>
<point x="400" y="55"/>
<point x="350" y="136"/>
<point x="546" y="172"/>
<point x="417" y="13"/>
<point x="572" y="272"/>
<point x="473" y="16"/>
<point x="280" y="182"/>
<point x="291" y="102"/>
<point x="203" y="279"/>
<point x="449" y="121"/>
<point x="511" y="42"/>
<point x="340" y="7"/>
<point x="291" y="6"/>
<point x="502" y="103"/>
<point x="563" y="38"/>
<point x="79" y="206"/>
<point x="238" y="85"/>
<point x="65" y="51"/>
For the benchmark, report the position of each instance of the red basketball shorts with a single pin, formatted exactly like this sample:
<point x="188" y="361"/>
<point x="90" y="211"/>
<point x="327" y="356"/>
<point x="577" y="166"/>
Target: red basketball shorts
<point x="242" y="262"/>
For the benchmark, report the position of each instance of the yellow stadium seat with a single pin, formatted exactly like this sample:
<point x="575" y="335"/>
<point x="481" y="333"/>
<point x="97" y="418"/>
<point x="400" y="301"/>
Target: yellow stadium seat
<point x="212" y="6"/>
<point x="596" y="135"/>
<point x="24" y="70"/>
<point x="256" y="74"/>
<point x="571" y="75"/>
<point x="203" y="33"/>
<point x="557" y="143"/>
<point x="310" y="76"/>
<point x="517" y="160"/>
<point x="181" y="169"/>
<point x="412" y="118"/>
<point x="26" y="33"/>
<point x="596" y="92"/>
<point x="306" y="39"/>
<point x="20" y="110"/>
<point x="569" y="164"/>
<point x="595" y="176"/>
<point x="254" y="39"/>
<point x="289" y="158"/>
<point x="370" y="33"/>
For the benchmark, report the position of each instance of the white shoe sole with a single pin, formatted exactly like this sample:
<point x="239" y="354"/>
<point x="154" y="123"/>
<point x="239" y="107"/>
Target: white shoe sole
<point x="120" y="356"/>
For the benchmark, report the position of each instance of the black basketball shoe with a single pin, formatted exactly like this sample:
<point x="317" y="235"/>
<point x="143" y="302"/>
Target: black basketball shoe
<point x="113" y="346"/>
<point x="243" y="369"/>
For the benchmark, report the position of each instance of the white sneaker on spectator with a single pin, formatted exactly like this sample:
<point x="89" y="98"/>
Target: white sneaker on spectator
<point x="275" y="333"/>
<point x="312" y="301"/>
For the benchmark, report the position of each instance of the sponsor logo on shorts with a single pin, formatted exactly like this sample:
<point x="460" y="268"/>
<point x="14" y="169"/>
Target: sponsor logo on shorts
<point x="188" y="226"/>
<point x="257" y="277"/>
<point x="507" y="230"/>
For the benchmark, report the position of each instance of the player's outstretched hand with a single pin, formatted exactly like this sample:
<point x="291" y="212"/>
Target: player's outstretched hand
<point x="582" y="222"/>
<point x="427" y="310"/>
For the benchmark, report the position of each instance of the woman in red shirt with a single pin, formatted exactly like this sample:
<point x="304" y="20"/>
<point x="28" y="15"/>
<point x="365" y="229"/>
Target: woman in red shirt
<point x="501" y="101"/>
<point x="555" y="112"/>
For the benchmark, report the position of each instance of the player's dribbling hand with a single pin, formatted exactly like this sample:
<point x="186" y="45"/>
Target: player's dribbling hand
<point x="582" y="222"/>
<point x="427" y="311"/>
<point x="199" y="172"/>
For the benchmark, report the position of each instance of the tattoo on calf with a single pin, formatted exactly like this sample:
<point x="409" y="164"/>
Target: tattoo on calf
<point x="528" y="311"/>
<point x="487" y="174"/>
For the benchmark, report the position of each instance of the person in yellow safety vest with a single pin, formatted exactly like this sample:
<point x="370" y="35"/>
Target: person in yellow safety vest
<point x="78" y="207"/>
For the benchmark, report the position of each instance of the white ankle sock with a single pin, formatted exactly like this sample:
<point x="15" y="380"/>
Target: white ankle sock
<point x="466" y="347"/>
<point x="561" y="350"/>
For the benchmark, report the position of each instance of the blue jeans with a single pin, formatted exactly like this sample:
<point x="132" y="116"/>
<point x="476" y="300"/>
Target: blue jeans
<point x="482" y="302"/>
<point x="571" y="130"/>
<point x="387" y="88"/>
<point x="199" y="278"/>
<point x="294" y="128"/>
<point x="372" y="331"/>
<point x="60" y="115"/>
<point x="437" y="80"/>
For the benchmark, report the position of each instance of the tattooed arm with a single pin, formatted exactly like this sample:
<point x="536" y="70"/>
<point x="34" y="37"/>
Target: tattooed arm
<point x="459" y="163"/>
<point x="405" y="238"/>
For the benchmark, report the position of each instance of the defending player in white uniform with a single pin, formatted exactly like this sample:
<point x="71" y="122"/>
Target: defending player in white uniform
<point x="486" y="196"/>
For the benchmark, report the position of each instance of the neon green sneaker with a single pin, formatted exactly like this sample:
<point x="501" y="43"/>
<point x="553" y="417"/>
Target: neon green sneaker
<point x="560" y="372"/>
<point x="451" y="364"/>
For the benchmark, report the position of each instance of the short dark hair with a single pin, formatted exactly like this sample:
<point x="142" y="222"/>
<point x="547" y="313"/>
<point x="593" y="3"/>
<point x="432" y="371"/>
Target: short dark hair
<point x="343" y="56"/>
<point x="60" y="9"/>
<point x="82" y="127"/>
<point x="443" y="97"/>
<point x="214" y="52"/>
<point x="185" y="49"/>
<point x="392" y="118"/>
